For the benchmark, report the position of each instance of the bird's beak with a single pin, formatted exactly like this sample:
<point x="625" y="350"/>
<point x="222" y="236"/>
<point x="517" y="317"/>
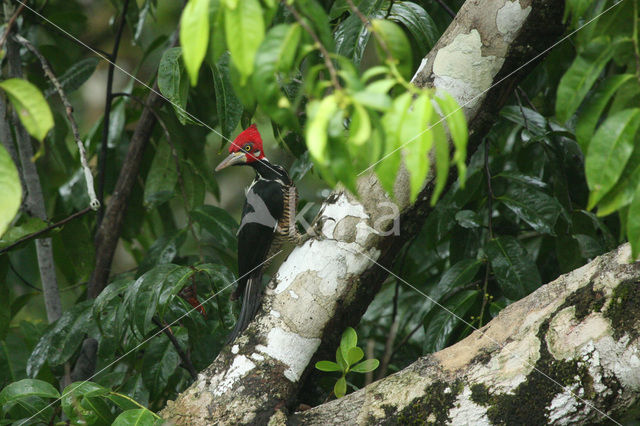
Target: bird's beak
<point x="233" y="159"/>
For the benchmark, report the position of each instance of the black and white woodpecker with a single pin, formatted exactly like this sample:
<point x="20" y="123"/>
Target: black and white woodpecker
<point x="268" y="220"/>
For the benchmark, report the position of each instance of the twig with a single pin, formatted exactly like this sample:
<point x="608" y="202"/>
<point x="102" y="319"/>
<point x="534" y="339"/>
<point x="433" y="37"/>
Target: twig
<point x="446" y="8"/>
<point x="45" y="230"/>
<point x="389" y="10"/>
<point x="10" y="24"/>
<point x="178" y="168"/>
<point x="186" y="360"/>
<point x="524" y="117"/>
<point x="406" y="338"/>
<point x="323" y="51"/>
<point x="371" y="344"/>
<point x="88" y="177"/>
<point x="102" y="158"/>
<point x="490" y="197"/>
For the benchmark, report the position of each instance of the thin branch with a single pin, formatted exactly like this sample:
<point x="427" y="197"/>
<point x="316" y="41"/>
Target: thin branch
<point x="186" y="360"/>
<point x="102" y="158"/>
<point x="526" y="98"/>
<point x="446" y="8"/>
<point x="524" y="116"/>
<point x="45" y="230"/>
<point x="323" y="50"/>
<point x="10" y="24"/>
<point x="88" y="177"/>
<point x="406" y="338"/>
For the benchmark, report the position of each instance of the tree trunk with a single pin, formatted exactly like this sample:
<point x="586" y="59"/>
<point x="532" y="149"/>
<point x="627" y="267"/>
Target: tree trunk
<point x="326" y="285"/>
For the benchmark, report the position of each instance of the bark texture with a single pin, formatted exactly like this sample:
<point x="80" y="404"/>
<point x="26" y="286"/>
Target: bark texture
<point x="567" y="353"/>
<point x="325" y="285"/>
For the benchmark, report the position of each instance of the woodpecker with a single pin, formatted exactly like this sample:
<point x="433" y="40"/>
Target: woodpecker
<point x="268" y="220"/>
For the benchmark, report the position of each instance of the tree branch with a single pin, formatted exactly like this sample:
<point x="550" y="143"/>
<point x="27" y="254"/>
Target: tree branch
<point x="102" y="158"/>
<point x="186" y="360"/>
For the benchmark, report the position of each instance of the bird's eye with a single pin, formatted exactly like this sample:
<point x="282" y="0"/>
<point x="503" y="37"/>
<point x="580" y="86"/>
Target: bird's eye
<point x="247" y="147"/>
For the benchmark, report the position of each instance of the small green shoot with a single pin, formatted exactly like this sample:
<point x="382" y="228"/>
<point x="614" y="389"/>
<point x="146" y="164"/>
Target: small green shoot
<point x="348" y="357"/>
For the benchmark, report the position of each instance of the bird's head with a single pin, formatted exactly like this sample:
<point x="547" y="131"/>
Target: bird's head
<point x="245" y="149"/>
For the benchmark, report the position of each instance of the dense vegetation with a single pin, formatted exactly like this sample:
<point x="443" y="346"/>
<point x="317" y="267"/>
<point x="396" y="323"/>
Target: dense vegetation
<point x="554" y="184"/>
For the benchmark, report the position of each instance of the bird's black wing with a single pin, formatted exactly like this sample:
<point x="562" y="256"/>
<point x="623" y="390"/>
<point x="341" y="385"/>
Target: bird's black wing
<point x="263" y="208"/>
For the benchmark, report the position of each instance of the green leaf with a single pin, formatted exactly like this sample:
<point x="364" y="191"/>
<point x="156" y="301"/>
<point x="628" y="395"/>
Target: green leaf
<point x="75" y="76"/>
<point x="161" y="180"/>
<point x="228" y="105"/>
<point x="327" y="366"/>
<point x="442" y="160"/>
<point x="244" y="28"/>
<point x="457" y="124"/>
<point x="218" y="223"/>
<point x="79" y="406"/>
<point x="392" y="121"/>
<point x="366" y="366"/>
<point x="25" y="388"/>
<point x="397" y="44"/>
<point x="30" y="105"/>
<point x="161" y="360"/>
<point x="440" y="324"/>
<point x="468" y="219"/>
<point x="515" y="272"/>
<point x="581" y="75"/>
<point x="536" y="208"/>
<point x="423" y="29"/>
<point x="360" y="126"/>
<point x="163" y="250"/>
<point x="276" y="56"/>
<point x="417" y="141"/>
<point x="373" y="97"/>
<point x="340" y="388"/>
<point x="633" y="224"/>
<point x="588" y="118"/>
<point x="194" y="36"/>
<point x="138" y="417"/>
<point x="348" y="340"/>
<point x="609" y="151"/>
<point x="351" y="36"/>
<point x="173" y="84"/>
<point x="319" y="113"/>
<point x="622" y="193"/>
<point x="340" y="360"/>
<point x="10" y="190"/>
<point x="354" y="355"/>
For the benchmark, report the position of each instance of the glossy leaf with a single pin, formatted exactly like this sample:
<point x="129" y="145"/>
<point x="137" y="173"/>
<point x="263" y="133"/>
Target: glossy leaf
<point x="161" y="360"/>
<point x="581" y="75"/>
<point x="422" y="28"/>
<point x="516" y="273"/>
<point x="32" y="108"/>
<point x="80" y="407"/>
<point x="457" y="124"/>
<point x="25" y="388"/>
<point x="366" y="366"/>
<point x="228" y="105"/>
<point x="137" y="417"/>
<point x="244" y="28"/>
<point x="162" y="177"/>
<point x="10" y="190"/>
<point x="351" y="35"/>
<point x="441" y="323"/>
<point x="218" y="223"/>
<point x="609" y="151"/>
<point x="173" y="82"/>
<point x="536" y="208"/>
<point x="590" y="115"/>
<point x="327" y="366"/>
<point x="348" y="341"/>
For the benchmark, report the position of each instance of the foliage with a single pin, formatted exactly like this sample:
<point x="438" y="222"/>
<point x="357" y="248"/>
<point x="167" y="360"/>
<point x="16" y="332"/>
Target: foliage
<point x="562" y="161"/>
<point x="348" y="358"/>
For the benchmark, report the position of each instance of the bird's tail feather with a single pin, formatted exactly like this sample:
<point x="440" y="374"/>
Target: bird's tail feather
<point x="250" y="303"/>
